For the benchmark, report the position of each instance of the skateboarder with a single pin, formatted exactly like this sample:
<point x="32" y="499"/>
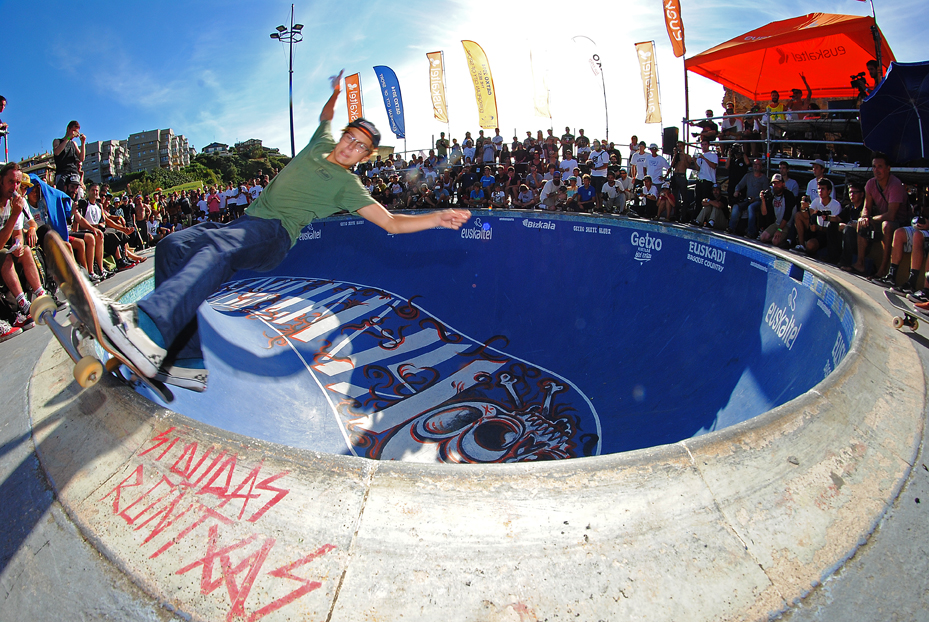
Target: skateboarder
<point x="192" y="264"/>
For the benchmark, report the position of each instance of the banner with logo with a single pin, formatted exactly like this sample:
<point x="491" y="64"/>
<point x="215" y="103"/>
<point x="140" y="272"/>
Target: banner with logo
<point x="393" y="102"/>
<point x="437" y="86"/>
<point x="649" y="69"/>
<point x="675" y="25"/>
<point x="353" y="97"/>
<point x="483" y="85"/>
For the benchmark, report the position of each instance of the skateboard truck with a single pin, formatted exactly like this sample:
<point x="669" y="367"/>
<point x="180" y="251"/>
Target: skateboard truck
<point x="87" y="369"/>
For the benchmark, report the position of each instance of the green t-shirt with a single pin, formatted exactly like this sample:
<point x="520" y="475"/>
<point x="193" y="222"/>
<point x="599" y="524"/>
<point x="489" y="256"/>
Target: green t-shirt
<point x="310" y="187"/>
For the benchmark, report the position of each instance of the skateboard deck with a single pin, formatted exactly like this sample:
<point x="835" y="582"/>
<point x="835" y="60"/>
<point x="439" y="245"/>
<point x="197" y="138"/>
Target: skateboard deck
<point x="909" y="318"/>
<point x="80" y="292"/>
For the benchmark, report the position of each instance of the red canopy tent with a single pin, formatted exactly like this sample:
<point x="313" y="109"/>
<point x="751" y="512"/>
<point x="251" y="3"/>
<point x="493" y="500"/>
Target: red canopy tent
<point x="826" y="48"/>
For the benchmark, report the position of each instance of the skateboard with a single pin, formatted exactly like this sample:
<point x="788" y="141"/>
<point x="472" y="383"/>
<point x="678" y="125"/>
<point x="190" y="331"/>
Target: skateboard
<point x="909" y="317"/>
<point x="79" y="292"/>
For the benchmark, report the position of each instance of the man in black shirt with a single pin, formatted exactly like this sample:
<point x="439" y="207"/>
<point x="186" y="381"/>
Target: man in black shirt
<point x="68" y="156"/>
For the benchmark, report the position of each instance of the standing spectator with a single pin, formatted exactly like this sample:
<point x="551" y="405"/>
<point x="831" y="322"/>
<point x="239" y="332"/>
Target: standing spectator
<point x="583" y="146"/>
<point x="488" y="152"/>
<point x="467" y="147"/>
<point x="213" y="207"/>
<point x="638" y="163"/>
<point x="681" y="162"/>
<point x="255" y="190"/>
<point x="567" y="142"/>
<point x="140" y="213"/>
<point x="4" y="128"/>
<point x="441" y="147"/>
<point x="497" y="141"/>
<point x="599" y="163"/>
<point x="68" y="156"/>
<point x="706" y="163"/>
<point x="656" y="165"/>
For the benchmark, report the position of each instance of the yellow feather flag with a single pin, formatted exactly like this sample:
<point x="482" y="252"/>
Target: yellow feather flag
<point x="437" y="86"/>
<point x="483" y="84"/>
<point x="645" y="51"/>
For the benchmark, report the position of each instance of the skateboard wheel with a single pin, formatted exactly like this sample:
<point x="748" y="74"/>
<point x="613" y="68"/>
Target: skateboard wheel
<point x="88" y="371"/>
<point x="112" y="365"/>
<point x="40" y="306"/>
<point x="898" y="322"/>
<point x="915" y="324"/>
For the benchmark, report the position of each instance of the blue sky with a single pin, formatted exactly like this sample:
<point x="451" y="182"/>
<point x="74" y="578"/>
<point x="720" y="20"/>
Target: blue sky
<point x="209" y="70"/>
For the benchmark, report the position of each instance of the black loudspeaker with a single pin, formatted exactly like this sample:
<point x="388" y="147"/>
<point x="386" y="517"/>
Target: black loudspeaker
<point x="668" y="140"/>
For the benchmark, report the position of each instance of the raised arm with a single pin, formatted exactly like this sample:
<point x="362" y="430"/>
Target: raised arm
<point x="329" y="109"/>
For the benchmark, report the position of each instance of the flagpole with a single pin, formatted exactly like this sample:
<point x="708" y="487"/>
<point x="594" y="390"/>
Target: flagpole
<point x="876" y="33"/>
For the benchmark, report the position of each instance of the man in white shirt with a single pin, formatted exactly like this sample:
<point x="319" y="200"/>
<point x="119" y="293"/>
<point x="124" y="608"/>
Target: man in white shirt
<point x="656" y="165"/>
<point x="497" y="141"/>
<point x="600" y="161"/>
<point x="819" y="172"/>
<point x="612" y="194"/>
<point x="567" y="165"/>
<point x="706" y="163"/>
<point x="637" y="162"/>
<point x="255" y="190"/>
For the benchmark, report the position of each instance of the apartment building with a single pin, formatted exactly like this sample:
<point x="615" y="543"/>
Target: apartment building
<point x="105" y="159"/>
<point x="158" y="149"/>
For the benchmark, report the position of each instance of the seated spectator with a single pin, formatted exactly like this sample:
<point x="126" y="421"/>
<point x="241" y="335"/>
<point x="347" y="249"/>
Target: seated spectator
<point x="534" y="179"/>
<point x="648" y="197"/>
<point x="825" y="232"/>
<point x="665" y="202"/>
<point x="776" y="212"/>
<point x="886" y="207"/>
<point x="731" y="127"/>
<point x="789" y="182"/>
<point x="416" y="199"/>
<point x="548" y="198"/>
<point x="498" y="197"/>
<point x="709" y="131"/>
<point x="525" y="198"/>
<point x="476" y="198"/>
<point x="154" y="228"/>
<point x="488" y="179"/>
<point x="627" y="183"/>
<point x="511" y="183"/>
<point x="441" y="197"/>
<point x="612" y="195"/>
<point x="797" y="102"/>
<point x="587" y="197"/>
<point x="714" y="212"/>
<point x="748" y="196"/>
<point x="915" y="240"/>
<point x="13" y="247"/>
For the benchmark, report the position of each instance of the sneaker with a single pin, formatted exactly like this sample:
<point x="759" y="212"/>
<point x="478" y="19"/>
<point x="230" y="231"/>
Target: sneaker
<point x="800" y="248"/>
<point x="920" y="296"/>
<point x="23" y="321"/>
<point x="902" y="289"/>
<point x="120" y="323"/>
<point x="710" y="223"/>
<point x="884" y="281"/>
<point x="185" y="373"/>
<point x="7" y="331"/>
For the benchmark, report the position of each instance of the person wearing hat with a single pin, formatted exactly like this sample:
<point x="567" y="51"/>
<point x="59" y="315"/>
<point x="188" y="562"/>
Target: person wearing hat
<point x="819" y="172"/>
<point x="777" y="213"/>
<point x="705" y="162"/>
<point x="549" y="196"/>
<point x="656" y="165"/>
<point x="192" y="264"/>
<point x="665" y="202"/>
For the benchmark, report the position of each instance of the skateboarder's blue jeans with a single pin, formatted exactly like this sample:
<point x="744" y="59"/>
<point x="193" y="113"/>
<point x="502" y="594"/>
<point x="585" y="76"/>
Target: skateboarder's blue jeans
<point x="191" y="264"/>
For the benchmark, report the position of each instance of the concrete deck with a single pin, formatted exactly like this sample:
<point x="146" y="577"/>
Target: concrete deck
<point x="761" y="519"/>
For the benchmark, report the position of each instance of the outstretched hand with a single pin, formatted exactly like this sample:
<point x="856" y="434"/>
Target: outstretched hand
<point x="336" y="81"/>
<point x="453" y="218"/>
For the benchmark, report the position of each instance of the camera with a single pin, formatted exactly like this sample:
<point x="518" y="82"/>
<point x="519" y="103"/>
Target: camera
<point x="859" y="82"/>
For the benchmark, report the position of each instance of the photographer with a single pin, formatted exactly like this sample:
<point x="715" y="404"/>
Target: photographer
<point x="824" y="230"/>
<point x="777" y="212"/>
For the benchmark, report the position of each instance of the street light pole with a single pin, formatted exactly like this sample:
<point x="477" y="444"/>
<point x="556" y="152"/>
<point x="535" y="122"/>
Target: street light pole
<point x="292" y="35"/>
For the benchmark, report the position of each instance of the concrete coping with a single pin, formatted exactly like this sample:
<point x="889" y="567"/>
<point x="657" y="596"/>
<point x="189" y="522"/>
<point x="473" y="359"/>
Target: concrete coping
<point x="737" y="524"/>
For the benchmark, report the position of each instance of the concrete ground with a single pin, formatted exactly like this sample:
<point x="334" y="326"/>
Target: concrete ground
<point x="48" y="570"/>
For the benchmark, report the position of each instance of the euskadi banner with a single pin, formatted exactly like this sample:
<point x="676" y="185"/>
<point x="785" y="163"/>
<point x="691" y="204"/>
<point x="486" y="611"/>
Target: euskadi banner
<point x="483" y="85"/>
<point x="437" y="86"/>
<point x="353" y="97"/>
<point x="649" y="68"/>
<point x="675" y="25"/>
<point x="390" y="89"/>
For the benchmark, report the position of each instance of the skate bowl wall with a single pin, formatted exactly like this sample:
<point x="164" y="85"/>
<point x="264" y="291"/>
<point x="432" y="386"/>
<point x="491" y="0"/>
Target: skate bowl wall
<point x="521" y="337"/>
